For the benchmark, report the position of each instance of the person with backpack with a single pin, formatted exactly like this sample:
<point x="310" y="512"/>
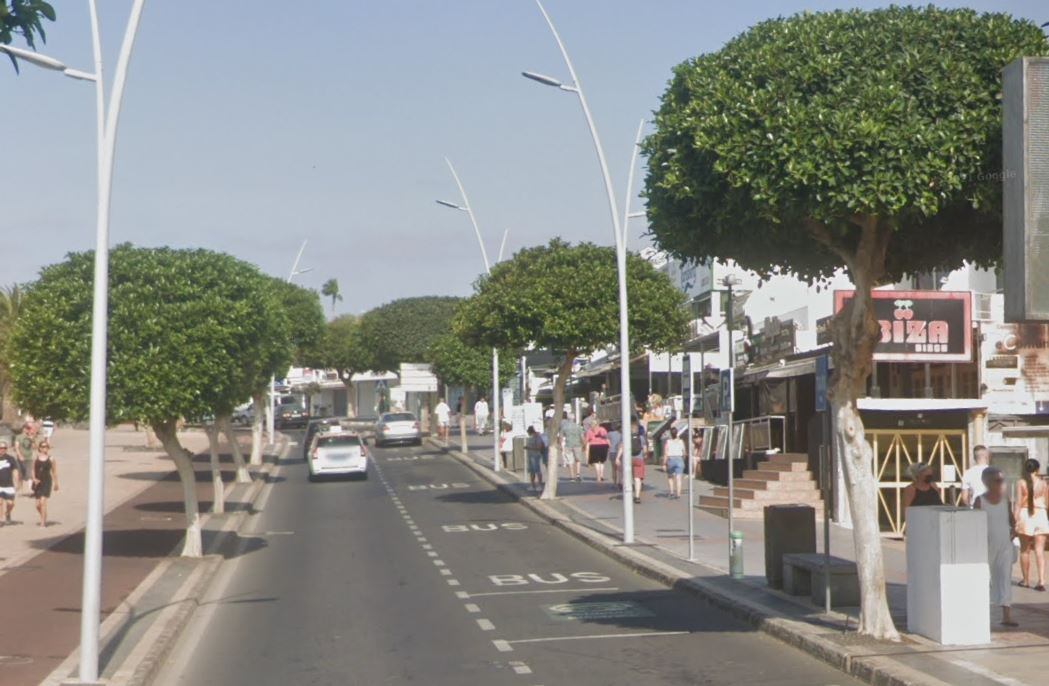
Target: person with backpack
<point x="636" y="442"/>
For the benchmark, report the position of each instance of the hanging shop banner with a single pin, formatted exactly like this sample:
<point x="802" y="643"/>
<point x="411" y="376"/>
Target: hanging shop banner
<point x="1015" y="374"/>
<point x="920" y="326"/>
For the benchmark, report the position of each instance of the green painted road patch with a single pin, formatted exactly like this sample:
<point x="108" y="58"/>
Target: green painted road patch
<point x="621" y="609"/>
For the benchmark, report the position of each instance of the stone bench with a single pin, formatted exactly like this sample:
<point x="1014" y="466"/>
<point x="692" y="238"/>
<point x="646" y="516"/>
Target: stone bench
<point x="803" y="574"/>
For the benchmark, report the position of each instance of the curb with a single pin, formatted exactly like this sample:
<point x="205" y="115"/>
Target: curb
<point x="149" y="653"/>
<point x="872" y="669"/>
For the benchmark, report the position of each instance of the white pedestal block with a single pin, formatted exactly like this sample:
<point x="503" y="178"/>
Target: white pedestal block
<point x="948" y="580"/>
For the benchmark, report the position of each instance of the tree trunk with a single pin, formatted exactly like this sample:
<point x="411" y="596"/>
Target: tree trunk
<point x="218" y="498"/>
<point x="554" y="429"/>
<point x="855" y="332"/>
<point x="8" y="410"/>
<point x="256" y="429"/>
<point x="243" y="475"/>
<point x="183" y="459"/>
<point x="351" y="395"/>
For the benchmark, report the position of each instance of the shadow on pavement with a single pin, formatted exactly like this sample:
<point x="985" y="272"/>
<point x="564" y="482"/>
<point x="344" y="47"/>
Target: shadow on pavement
<point x="494" y="497"/>
<point x="640" y="611"/>
<point x="175" y="506"/>
<point x="118" y="543"/>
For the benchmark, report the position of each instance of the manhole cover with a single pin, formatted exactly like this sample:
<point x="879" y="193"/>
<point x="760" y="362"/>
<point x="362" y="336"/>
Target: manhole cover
<point x="597" y="611"/>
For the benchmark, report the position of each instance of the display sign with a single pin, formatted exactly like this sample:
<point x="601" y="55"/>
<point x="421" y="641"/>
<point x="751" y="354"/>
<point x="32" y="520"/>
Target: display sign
<point x="1015" y="374"/>
<point x="920" y="326"/>
<point x="776" y="340"/>
<point x="417" y="378"/>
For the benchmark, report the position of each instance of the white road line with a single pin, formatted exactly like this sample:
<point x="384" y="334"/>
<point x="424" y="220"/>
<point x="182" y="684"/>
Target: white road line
<point x="502" y="646"/>
<point x="549" y="590"/>
<point x="521" y="668"/>
<point x="431" y="553"/>
<point x="462" y="595"/>
<point x="485" y="624"/>
<point x="427" y="546"/>
<point x="472" y="607"/>
<point x="438" y="563"/>
<point x="454" y="582"/>
<point x="446" y="572"/>
<point x="987" y="673"/>
<point x="637" y="634"/>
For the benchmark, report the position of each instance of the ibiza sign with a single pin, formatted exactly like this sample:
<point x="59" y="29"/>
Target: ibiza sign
<point x="920" y="326"/>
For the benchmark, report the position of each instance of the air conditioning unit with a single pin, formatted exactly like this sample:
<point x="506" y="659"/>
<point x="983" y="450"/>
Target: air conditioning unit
<point x="1025" y="186"/>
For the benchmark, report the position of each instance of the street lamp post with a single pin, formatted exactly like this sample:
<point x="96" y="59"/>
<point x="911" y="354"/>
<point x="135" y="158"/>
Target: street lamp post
<point x="107" y="116"/>
<point x="618" y="230"/>
<point x="271" y="414"/>
<point x="466" y="207"/>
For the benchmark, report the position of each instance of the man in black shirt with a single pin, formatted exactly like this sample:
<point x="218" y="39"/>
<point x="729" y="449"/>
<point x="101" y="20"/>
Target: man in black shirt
<point x="9" y="480"/>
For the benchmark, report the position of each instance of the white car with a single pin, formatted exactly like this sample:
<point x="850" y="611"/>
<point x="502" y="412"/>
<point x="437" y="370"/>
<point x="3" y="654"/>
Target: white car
<point x="398" y="427"/>
<point x="337" y="453"/>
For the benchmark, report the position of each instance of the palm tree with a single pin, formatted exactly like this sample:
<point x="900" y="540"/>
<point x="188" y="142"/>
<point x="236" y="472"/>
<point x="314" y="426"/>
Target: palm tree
<point x="10" y="303"/>
<point x="330" y="289"/>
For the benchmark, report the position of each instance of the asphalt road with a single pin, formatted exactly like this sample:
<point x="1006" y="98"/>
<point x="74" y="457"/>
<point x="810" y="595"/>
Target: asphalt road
<point x="424" y="574"/>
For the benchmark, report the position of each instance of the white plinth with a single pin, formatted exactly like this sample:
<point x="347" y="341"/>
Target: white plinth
<point x="948" y="580"/>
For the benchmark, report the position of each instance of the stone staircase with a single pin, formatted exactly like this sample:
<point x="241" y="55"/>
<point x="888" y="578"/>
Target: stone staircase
<point x="783" y="479"/>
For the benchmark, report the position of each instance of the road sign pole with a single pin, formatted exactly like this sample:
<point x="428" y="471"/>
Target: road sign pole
<point x="686" y="394"/>
<point x="826" y="469"/>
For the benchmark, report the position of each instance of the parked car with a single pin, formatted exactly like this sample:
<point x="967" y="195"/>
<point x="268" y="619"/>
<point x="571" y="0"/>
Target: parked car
<point x="243" y="415"/>
<point x="312" y="428"/>
<point x="290" y="416"/>
<point x="398" y="427"/>
<point x="335" y="452"/>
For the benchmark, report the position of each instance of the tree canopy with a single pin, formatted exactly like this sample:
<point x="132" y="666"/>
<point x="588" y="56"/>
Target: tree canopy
<point x="306" y="325"/>
<point x="184" y="325"/>
<point x="24" y="18"/>
<point x="564" y="298"/>
<point x="342" y="349"/>
<point x="403" y="330"/>
<point x="457" y="363"/>
<point x="777" y="149"/>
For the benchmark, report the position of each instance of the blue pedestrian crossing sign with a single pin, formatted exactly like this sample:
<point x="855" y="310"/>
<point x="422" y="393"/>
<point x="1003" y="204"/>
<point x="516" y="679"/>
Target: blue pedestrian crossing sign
<point x="726" y="391"/>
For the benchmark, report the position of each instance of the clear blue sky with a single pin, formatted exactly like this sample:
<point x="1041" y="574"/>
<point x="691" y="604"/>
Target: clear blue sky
<point x="250" y="125"/>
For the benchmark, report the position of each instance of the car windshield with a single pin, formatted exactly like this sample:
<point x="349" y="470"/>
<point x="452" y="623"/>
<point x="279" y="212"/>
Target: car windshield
<point x="291" y="408"/>
<point x="337" y="440"/>
<point x="399" y="417"/>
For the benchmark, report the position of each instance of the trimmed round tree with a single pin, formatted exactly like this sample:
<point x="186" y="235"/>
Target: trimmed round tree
<point x="183" y="327"/>
<point x="456" y="362"/>
<point x="869" y="140"/>
<point x="341" y="349"/>
<point x="564" y="298"/>
<point x="403" y="330"/>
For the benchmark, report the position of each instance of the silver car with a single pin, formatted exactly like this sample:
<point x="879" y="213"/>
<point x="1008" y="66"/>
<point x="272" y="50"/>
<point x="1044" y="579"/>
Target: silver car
<point x="337" y="453"/>
<point x="398" y="427"/>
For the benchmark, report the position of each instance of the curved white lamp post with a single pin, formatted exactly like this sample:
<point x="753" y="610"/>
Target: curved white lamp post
<point x="108" y="114"/>
<point x="468" y="209"/>
<point x="619" y="231"/>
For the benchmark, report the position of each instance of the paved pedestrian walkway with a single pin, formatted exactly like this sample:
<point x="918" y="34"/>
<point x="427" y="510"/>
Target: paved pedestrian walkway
<point x="1014" y="657"/>
<point x="41" y="575"/>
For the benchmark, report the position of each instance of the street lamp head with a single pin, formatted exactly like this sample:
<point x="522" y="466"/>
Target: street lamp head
<point x="79" y="75"/>
<point x="445" y="203"/>
<point x="33" y="58"/>
<point x="543" y="79"/>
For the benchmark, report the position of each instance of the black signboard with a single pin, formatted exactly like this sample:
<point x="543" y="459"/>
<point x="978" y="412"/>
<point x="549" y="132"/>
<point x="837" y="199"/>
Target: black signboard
<point x="920" y="326"/>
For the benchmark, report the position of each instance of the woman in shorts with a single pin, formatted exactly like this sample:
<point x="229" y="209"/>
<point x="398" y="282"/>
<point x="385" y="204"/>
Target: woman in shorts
<point x="674" y="463"/>
<point x="1032" y="524"/>
<point x="597" y="450"/>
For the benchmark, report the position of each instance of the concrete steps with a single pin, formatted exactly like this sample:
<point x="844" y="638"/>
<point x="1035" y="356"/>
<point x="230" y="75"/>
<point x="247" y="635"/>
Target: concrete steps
<point x="783" y="479"/>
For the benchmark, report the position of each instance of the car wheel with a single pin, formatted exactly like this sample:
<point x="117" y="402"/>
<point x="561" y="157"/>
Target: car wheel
<point x="417" y="442"/>
<point x="312" y="478"/>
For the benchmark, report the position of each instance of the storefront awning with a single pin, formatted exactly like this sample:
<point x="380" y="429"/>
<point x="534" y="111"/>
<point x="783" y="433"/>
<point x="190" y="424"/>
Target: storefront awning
<point x="920" y="404"/>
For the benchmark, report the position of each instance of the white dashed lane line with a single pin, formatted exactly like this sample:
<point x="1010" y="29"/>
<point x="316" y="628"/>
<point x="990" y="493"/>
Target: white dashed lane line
<point x="482" y="623"/>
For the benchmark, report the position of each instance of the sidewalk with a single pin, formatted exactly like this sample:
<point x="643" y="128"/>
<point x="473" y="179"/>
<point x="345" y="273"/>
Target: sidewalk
<point x="1014" y="657"/>
<point x="41" y="576"/>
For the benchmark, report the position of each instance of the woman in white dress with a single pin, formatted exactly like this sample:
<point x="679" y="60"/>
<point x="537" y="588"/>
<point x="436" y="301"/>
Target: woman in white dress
<point x="1000" y="528"/>
<point x="1032" y="522"/>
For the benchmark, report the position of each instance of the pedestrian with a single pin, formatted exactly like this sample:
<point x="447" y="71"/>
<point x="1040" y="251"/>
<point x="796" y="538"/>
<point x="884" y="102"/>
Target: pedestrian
<point x="636" y="441"/>
<point x="45" y="479"/>
<point x="25" y="445"/>
<point x="674" y="462"/>
<point x="481" y="415"/>
<point x="10" y="478"/>
<point x="589" y="421"/>
<point x="972" y="481"/>
<point x="444" y="416"/>
<point x="534" y="449"/>
<point x="921" y="491"/>
<point x="1001" y="527"/>
<point x="572" y="448"/>
<point x="506" y="443"/>
<point x="615" y="437"/>
<point x="597" y="450"/>
<point x="1032" y="523"/>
